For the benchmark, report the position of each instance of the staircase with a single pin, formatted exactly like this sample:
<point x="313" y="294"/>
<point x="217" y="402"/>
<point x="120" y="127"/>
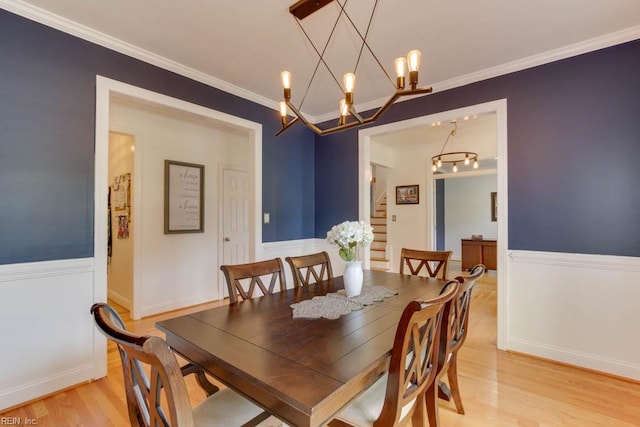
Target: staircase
<point x="378" y="249"/>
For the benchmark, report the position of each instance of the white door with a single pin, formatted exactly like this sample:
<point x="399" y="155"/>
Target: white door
<point x="235" y="219"/>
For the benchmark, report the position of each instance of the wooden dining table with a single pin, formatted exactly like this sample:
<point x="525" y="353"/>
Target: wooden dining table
<point x="301" y="370"/>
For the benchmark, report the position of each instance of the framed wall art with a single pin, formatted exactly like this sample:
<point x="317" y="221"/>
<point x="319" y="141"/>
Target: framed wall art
<point x="407" y="195"/>
<point x="183" y="197"/>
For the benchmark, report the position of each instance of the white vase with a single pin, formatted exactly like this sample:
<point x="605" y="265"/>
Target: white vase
<point x="353" y="278"/>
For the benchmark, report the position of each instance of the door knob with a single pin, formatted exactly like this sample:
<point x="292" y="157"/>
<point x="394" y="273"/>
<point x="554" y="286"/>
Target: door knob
<point x="226" y="239"/>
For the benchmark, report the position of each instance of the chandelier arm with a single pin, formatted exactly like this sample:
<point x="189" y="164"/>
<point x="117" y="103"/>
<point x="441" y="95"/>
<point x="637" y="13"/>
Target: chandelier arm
<point x="359" y="120"/>
<point x="364" y="41"/>
<point x="399" y="94"/>
<point x="287" y="126"/>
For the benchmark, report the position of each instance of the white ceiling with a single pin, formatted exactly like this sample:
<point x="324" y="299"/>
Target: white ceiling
<point x="242" y="46"/>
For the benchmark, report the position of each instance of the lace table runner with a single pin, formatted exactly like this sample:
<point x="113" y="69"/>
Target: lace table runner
<point x="334" y="305"/>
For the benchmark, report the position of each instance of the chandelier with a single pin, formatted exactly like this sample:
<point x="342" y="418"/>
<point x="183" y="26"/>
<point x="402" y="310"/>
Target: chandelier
<point x="348" y="115"/>
<point x="453" y="157"/>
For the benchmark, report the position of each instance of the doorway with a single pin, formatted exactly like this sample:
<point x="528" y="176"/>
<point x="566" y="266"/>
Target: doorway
<point x="499" y="108"/>
<point x="149" y="297"/>
<point x="120" y="238"/>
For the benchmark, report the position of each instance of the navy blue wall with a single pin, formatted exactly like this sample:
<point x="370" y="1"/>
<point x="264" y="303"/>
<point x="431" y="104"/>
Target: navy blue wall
<point x="47" y="120"/>
<point x="573" y="152"/>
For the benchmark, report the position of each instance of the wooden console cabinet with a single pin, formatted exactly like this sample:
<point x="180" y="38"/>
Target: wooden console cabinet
<point x="479" y="252"/>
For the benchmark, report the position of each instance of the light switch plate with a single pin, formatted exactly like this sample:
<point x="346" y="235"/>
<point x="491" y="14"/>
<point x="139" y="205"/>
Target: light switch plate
<point x="393" y="218"/>
<point x="267" y="217"/>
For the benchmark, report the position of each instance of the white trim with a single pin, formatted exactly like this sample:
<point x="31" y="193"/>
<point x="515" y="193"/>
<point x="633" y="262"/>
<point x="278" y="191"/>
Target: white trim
<point x="600" y="262"/>
<point x="498" y="107"/>
<point x="36" y="270"/>
<point x="70" y="27"/>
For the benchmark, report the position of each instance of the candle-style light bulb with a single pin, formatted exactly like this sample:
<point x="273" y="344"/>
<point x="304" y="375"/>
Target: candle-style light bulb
<point x="344" y="108"/>
<point x="344" y="111"/>
<point x="285" y="76"/>
<point x="349" y="80"/>
<point x="475" y="164"/>
<point x="466" y="159"/>
<point x="283" y="112"/>
<point x="413" y="62"/>
<point x="455" y="167"/>
<point x="400" y="64"/>
<point x="439" y="163"/>
<point x="434" y="167"/>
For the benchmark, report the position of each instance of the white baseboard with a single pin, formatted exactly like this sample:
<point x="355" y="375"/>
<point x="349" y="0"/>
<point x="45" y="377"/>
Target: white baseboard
<point x="43" y="386"/>
<point x="177" y="304"/>
<point x="119" y="299"/>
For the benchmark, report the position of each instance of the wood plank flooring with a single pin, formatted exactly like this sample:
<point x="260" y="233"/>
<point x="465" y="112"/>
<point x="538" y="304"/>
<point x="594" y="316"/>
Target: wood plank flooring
<point x="498" y="388"/>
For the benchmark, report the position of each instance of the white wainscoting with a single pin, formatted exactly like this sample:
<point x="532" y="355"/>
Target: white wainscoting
<point x="577" y="309"/>
<point x="48" y="338"/>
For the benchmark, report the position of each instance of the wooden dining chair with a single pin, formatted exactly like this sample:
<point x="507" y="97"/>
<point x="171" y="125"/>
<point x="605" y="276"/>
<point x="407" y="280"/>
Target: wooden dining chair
<point x="306" y="267"/>
<point x="252" y="275"/>
<point x="399" y="396"/>
<point x="457" y="334"/>
<point x="155" y="389"/>
<point x="434" y="263"/>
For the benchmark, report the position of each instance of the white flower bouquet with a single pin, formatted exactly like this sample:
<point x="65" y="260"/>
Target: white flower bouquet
<point x="349" y="236"/>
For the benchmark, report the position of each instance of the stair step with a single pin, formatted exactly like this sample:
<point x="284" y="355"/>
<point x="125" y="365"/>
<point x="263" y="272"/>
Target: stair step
<point x="373" y="258"/>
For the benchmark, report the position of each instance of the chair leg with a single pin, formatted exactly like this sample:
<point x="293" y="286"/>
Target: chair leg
<point x="431" y="401"/>
<point x="452" y="375"/>
<point x="419" y="418"/>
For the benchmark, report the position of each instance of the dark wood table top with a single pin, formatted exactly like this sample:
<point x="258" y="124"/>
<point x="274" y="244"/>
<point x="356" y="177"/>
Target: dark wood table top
<point x="301" y="370"/>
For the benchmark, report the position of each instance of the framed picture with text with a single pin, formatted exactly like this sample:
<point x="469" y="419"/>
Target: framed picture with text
<point x="407" y="195"/>
<point x="183" y="197"/>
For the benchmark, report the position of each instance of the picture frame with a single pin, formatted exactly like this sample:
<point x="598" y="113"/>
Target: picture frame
<point x="407" y="194"/>
<point x="494" y="206"/>
<point x="183" y="197"/>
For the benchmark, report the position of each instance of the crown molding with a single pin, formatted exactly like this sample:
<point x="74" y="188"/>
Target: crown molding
<point x="70" y="27"/>
<point x="86" y="33"/>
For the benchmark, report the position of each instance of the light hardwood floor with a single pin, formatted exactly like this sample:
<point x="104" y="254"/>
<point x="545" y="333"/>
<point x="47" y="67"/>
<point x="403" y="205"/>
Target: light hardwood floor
<point x="498" y="388"/>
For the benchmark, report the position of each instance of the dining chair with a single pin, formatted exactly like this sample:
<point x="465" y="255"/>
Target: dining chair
<point x="435" y="263"/>
<point x="305" y="266"/>
<point x="188" y="369"/>
<point x="399" y="396"/>
<point x="457" y="334"/>
<point x="155" y="389"/>
<point x="252" y="275"/>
